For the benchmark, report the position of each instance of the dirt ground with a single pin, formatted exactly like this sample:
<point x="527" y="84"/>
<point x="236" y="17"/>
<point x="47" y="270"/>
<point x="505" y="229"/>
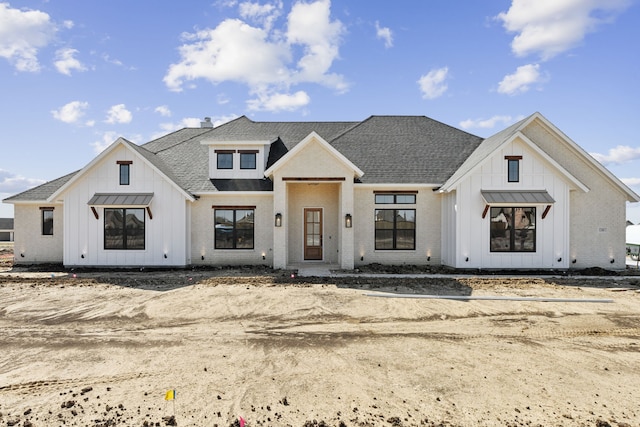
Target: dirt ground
<point x="102" y="349"/>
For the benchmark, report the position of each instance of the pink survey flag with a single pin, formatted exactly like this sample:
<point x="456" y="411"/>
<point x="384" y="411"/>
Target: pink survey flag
<point x="242" y="422"/>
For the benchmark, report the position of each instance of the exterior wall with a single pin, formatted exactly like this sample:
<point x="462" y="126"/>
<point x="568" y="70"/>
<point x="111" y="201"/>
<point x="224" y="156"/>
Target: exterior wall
<point x="166" y="233"/>
<point x="202" y="231"/>
<point x="314" y="195"/>
<point x="597" y="218"/>
<point x="332" y="190"/>
<point x="552" y="233"/>
<point x="30" y="246"/>
<point x="449" y="222"/>
<point x="428" y="230"/>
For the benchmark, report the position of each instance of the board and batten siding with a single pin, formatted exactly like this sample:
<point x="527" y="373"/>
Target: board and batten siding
<point x="552" y="233"/>
<point x="449" y="222"/>
<point x="203" y="226"/>
<point x="30" y="245"/>
<point x="166" y="233"/>
<point x="597" y="227"/>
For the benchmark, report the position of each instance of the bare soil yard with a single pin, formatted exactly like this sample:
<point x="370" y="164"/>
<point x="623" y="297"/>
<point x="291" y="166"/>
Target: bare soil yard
<point x="102" y="349"/>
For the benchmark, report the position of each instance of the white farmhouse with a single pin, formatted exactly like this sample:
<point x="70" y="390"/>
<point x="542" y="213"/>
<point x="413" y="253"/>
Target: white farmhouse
<point x="389" y="189"/>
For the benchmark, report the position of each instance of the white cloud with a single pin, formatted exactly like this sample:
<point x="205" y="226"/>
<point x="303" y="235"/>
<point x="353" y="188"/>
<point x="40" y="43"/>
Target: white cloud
<point x="105" y="141"/>
<point x="22" y="34"/>
<point x="163" y="110"/>
<point x="631" y="181"/>
<point x="11" y="183"/>
<point x="310" y="25"/>
<point x="266" y="60"/>
<point x="488" y="123"/>
<point x="279" y="102"/>
<point x="384" y="33"/>
<point x="432" y="84"/>
<point x="119" y="114"/>
<point x="618" y="155"/>
<point x="263" y="14"/>
<point x="521" y="80"/>
<point x="65" y="62"/>
<point x="71" y="112"/>
<point x="550" y="27"/>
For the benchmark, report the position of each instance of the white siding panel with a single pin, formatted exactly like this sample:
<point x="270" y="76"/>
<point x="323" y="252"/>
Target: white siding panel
<point x="164" y="234"/>
<point x="536" y="173"/>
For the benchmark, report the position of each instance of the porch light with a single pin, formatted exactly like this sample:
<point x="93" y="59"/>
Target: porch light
<point x="347" y="221"/>
<point x="612" y="261"/>
<point x="560" y="259"/>
<point x="278" y="219"/>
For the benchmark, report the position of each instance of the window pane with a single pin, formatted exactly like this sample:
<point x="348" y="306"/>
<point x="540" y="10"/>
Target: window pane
<point x="113" y="229"/>
<point x="384" y="198"/>
<point x="247" y="160"/>
<point x="406" y="198"/>
<point x="244" y="229"/>
<point x="514" y="170"/>
<point x="384" y="218"/>
<point x="124" y="174"/>
<point x="225" y="160"/>
<point x="405" y="239"/>
<point x="47" y="222"/>
<point x="384" y="239"/>
<point x="224" y="229"/>
<point x="134" y="228"/>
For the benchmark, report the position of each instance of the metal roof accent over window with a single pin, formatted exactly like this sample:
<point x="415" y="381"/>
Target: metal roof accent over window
<point x="121" y="199"/>
<point x="513" y="197"/>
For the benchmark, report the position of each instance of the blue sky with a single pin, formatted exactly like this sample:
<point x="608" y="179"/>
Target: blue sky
<point x="76" y="75"/>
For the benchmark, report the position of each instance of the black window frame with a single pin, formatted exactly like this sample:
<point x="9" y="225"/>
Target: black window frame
<point x="515" y="235"/>
<point x="224" y="155"/>
<point x="47" y="222"/>
<point x="395" y="231"/>
<point x="251" y="157"/>
<point x="513" y="170"/>
<point x="125" y="230"/>
<point x="125" y="173"/>
<point x="235" y="234"/>
<point x="395" y="198"/>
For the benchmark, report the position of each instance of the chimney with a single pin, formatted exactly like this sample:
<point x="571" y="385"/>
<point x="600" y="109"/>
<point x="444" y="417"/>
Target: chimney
<point x="207" y="123"/>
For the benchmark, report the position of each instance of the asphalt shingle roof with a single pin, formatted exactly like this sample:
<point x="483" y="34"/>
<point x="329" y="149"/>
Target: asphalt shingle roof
<point x="388" y="149"/>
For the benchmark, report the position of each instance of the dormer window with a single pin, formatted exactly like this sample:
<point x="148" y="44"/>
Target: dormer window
<point x="237" y="159"/>
<point x="225" y="159"/>
<point x="248" y="159"/>
<point x="125" y="171"/>
<point x="513" y="168"/>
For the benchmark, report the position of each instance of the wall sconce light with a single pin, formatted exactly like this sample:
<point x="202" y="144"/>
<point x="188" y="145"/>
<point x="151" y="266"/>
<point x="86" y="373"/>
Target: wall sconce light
<point x="466" y="259"/>
<point x="278" y="219"/>
<point x="22" y="254"/>
<point x="362" y="258"/>
<point x="202" y="257"/>
<point x="612" y="261"/>
<point x="264" y="257"/>
<point x="560" y="259"/>
<point x="428" y="258"/>
<point x="82" y="256"/>
<point x="348" y="221"/>
<point x="165" y="256"/>
<point x="574" y="261"/>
